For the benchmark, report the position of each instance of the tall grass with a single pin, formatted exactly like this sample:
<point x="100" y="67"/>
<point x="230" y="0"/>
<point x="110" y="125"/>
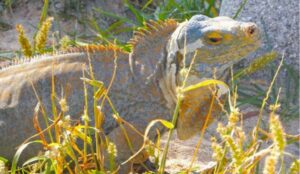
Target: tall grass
<point x="232" y="152"/>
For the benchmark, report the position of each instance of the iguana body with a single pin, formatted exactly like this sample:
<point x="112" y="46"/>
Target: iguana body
<point x="145" y="82"/>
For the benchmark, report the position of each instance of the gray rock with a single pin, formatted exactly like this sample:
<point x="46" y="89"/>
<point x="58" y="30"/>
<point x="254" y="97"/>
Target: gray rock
<point x="279" y="21"/>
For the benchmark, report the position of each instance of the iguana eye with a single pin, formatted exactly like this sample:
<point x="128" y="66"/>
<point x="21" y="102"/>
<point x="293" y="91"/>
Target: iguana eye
<point x="214" y="38"/>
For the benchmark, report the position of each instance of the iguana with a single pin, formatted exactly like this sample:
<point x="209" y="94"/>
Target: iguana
<point x="145" y="81"/>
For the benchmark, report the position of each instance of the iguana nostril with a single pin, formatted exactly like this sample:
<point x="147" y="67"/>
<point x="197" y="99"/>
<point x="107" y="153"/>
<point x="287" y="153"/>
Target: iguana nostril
<point x="251" y="30"/>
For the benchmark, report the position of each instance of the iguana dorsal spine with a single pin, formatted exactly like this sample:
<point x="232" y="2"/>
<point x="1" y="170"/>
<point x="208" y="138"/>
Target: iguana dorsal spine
<point x="148" y="46"/>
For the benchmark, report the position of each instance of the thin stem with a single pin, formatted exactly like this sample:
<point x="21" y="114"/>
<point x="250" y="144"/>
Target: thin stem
<point x="174" y="120"/>
<point x="266" y="98"/>
<point x="202" y="132"/>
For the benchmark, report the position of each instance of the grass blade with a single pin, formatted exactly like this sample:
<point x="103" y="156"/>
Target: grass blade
<point x="18" y="154"/>
<point x="240" y="9"/>
<point x="138" y="14"/>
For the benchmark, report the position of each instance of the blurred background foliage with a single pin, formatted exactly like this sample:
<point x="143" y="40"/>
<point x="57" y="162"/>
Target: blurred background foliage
<point x="105" y="26"/>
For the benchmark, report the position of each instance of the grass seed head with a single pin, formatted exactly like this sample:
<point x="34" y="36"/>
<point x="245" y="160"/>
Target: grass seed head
<point x="54" y="152"/>
<point x="218" y="152"/>
<point x="236" y="152"/>
<point x="112" y="149"/>
<point x="221" y="129"/>
<point x="63" y="105"/>
<point x="85" y="118"/>
<point x="240" y="134"/>
<point x="65" y="42"/>
<point x="295" y="167"/>
<point x="65" y="122"/>
<point x="234" y="117"/>
<point x="270" y="164"/>
<point x="274" y="107"/>
<point x="42" y="34"/>
<point x="261" y="62"/>
<point x="277" y="133"/>
<point x="23" y="41"/>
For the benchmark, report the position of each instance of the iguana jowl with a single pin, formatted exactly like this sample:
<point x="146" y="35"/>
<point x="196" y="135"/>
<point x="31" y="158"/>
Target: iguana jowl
<point x="145" y="84"/>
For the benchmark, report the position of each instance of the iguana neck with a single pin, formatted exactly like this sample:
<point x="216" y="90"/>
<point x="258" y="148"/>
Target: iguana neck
<point x="165" y="78"/>
<point x="168" y="68"/>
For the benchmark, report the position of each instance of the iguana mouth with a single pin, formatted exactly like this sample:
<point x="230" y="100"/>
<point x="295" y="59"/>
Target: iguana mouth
<point x="222" y="61"/>
<point x="216" y="70"/>
<point x="233" y="54"/>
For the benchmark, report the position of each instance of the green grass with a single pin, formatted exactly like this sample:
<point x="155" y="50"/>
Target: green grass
<point x="121" y="25"/>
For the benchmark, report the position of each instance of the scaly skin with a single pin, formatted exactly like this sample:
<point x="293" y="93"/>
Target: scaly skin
<point x="145" y="84"/>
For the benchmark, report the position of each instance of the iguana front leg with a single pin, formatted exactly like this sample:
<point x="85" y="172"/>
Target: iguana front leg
<point x="198" y="109"/>
<point x="128" y="141"/>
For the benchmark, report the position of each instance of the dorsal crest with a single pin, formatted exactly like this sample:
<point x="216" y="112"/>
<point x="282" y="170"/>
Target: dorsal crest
<point x="148" y="44"/>
<point x="91" y="48"/>
<point x="110" y="49"/>
<point x="150" y="30"/>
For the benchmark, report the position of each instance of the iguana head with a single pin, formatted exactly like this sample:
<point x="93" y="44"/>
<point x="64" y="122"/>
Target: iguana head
<point x="217" y="43"/>
<point x="217" y="40"/>
<point x="214" y="44"/>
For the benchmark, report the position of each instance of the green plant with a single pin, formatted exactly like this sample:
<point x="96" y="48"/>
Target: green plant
<point x="180" y="10"/>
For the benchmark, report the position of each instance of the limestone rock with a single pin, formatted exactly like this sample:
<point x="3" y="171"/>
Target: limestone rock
<point x="279" y="22"/>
